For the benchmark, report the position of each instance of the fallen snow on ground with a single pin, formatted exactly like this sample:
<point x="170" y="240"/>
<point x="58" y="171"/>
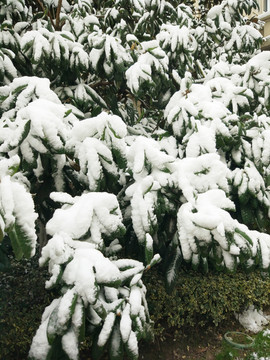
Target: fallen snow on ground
<point x="252" y="319"/>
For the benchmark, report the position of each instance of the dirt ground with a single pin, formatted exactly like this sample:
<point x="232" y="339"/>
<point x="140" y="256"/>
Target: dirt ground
<point x="193" y="344"/>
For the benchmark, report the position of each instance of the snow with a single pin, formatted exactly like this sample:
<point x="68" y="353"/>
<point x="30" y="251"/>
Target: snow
<point x="7" y="201"/>
<point x="62" y="197"/>
<point x="125" y="324"/>
<point x="77" y="317"/>
<point x="106" y="329"/>
<point x="152" y="59"/>
<point x="130" y="273"/>
<point x="65" y="303"/>
<point x="79" y="57"/>
<point x="93" y="155"/>
<point x="17" y="208"/>
<point x="202" y="141"/>
<point x="138" y="73"/>
<point x="87" y="267"/>
<point x="136" y="279"/>
<point x="135" y="299"/>
<point x="126" y="263"/>
<point x="110" y="46"/>
<point x="73" y="220"/>
<point x="143" y="195"/>
<point x="47" y="126"/>
<point x="90" y="211"/>
<point x="146" y="149"/>
<point x="132" y="37"/>
<point x="149" y="242"/>
<point x="70" y="344"/>
<point x="34" y="88"/>
<point x="111" y="294"/>
<point x="202" y="173"/>
<point x="97" y="126"/>
<point x="116" y="341"/>
<point x="249" y="180"/>
<point x="132" y="344"/>
<point x="264" y="243"/>
<point x="174" y="36"/>
<point x="93" y="141"/>
<point x="40" y="346"/>
<point x="264" y="15"/>
<point x="58" y="249"/>
<point x="260" y="60"/>
<point x="205" y="220"/>
<point x="215" y="11"/>
<point x="252" y="319"/>
<point x="80" y="274"/>
<point x="94" y="318"/>
<point x="7" y="65"/>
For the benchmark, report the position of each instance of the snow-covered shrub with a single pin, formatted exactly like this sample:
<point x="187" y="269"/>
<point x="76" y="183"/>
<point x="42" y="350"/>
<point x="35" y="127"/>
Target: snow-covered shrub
<point x="108" y="293"/>
<point x="133" y="130"/>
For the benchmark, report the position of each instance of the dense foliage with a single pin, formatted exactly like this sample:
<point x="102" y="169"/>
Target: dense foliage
<point x="131" y="131"/>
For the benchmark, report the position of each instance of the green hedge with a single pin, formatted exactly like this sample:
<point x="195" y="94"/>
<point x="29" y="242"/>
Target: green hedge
<point x="196" y="300"/>
<point x="204" y="299"/>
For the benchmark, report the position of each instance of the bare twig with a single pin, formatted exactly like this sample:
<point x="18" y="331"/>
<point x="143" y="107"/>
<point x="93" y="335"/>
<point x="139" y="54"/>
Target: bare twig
<point x="100" y="83"/>
<point x="57" y="20"/>
<point x="56" y="24"/>
<point x="44" y="10"/>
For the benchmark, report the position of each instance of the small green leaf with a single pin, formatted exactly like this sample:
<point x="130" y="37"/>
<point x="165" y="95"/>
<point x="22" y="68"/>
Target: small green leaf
<point x="23" y="136"/>
<point x="73" y="304"/>
<point x="20" y="241"/>
<point x="148" y="189"/>
<point x="244" y="235"/>
<point x="56" y="351"/>
<point x="53" y="327"/>
<point x="68" y="112"/>
<point x="15" y="242"/>
<point x="19" y="89"/>
<point x="105" y="158"/>
<point x="59" y="277"/>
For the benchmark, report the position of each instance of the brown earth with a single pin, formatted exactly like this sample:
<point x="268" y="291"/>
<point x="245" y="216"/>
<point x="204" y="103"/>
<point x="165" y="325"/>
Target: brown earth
<point x="193" y="344"/>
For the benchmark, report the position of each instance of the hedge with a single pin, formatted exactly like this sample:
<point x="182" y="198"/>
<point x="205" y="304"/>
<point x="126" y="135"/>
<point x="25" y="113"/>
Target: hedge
<point x="204" y="299"/>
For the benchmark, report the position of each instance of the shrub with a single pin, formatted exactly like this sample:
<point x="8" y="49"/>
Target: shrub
<point x="130" y="132"/>
<point x="204" y="299"/>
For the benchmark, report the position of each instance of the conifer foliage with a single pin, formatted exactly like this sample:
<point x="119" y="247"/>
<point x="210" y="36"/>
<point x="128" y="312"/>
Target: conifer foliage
<point x="131" y="132"/>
